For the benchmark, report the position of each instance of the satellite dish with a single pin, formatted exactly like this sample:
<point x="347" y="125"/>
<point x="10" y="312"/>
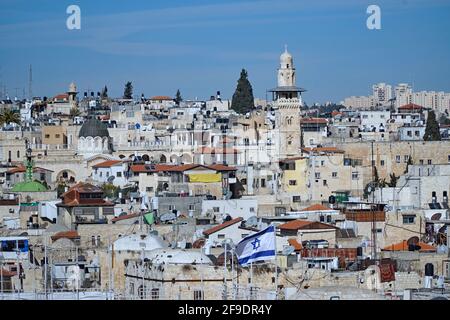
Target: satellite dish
<point x="288" y="250"/>
<point x="168" y="217"/>
<point x="413" y="241"/>
<point x="436" y="216"/>
<point x="137" y="126"/>
<point x="111" y="179"/>
<point x="252" y="221"/>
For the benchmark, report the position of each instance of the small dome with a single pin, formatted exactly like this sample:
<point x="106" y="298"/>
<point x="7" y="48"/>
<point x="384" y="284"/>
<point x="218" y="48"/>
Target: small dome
<point x="137" y="242"/>
<point x="29" y="186"/>
<point x="72" y="87"/>
<point x="286" y="57"/>
<point x="93" y="128"/>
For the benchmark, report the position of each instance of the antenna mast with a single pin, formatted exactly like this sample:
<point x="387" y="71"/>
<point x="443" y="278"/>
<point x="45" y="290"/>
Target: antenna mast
<point x="30" y="82"/>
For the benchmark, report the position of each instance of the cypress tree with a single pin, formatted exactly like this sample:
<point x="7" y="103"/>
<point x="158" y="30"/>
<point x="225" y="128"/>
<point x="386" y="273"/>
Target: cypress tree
<point x="128" y="91"/>
<point x="178" y="97"/>
<point x="432" y="129"/>
<point x="243" y="100"/>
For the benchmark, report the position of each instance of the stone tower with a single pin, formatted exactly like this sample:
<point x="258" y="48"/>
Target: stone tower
<point x="287" y="101"/>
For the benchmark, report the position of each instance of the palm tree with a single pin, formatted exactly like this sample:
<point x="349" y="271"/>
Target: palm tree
<point x="9" y="116"/>
<point x="75" y="112"/>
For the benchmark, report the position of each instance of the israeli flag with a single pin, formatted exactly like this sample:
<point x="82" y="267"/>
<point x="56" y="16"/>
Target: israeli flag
<point x="257" y="247"/>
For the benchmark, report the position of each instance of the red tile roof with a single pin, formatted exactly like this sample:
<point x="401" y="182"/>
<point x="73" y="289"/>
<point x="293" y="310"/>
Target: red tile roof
<point x="72" y="234"/>
<point x="161" y="98"/>
<point x="403" y="246"/>
<point x="314" y="120"/>
<point x="21" y="168"/>
<point x="222" y="226"/>
<point x="62" y="96"/>
<point x="7" y="273"/>
<point x="125" y="217"/>
<point x="107" y="164"/>
<point x="297" y="246"/>
<point x="411" y="106"/>
<point x="305" y="225"/>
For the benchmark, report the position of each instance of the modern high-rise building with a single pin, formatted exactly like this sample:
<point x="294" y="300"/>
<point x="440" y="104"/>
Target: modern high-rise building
<point x="382" y="93"/>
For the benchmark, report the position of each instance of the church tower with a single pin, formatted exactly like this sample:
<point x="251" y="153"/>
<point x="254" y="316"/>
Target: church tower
<point x="287" y="101"/>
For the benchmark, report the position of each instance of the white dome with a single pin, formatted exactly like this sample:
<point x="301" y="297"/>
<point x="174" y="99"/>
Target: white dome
<point x="139" y="241"/>
<point x="178" y="256"/>
<point x="286" y="57"/>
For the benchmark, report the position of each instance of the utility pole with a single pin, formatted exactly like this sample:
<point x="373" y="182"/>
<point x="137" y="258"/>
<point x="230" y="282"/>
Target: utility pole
<point x="374" y="230"/>
<point x="30" y="83"/>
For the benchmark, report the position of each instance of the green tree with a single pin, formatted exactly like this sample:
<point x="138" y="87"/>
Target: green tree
<point x="110" y="190"/>
<point x="393" y="182"/>
<point x="104" y="93"/>
<point x="9" y="116"/>
<point x="444" y="120"/>
<point x="243" y="100"/>
<point x="409" y="163"/>
<point x="178" y="97"/>
<point x="432" y="129"/>
<point x="128" y="91"/>
<point x="75" y="112"/>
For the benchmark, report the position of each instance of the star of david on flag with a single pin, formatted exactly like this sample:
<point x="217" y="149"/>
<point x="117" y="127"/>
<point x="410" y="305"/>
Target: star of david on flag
<point x="257" y="247"/>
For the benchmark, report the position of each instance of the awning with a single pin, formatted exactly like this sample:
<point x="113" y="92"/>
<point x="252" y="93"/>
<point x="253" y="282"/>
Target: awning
<point x="149" y="218"/>
<point x="205" y="177"/>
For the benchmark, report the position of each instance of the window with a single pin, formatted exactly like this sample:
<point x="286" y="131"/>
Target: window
<point x="263" y="183"/>
<point x="429" y="161"/>
<point x="322" y="163"/>
<point x="119" y="174"/>
<point x="397" y="159"/>
<point x="18" y="154"/>
<point x="325" y="182"/>
<point x="252" y="209"/>
<point x="47" y="136"/>
<point x="417" y="133"/>
<point x="192" y="207"/>
<point x="421" y="161"/>
<point x="405" y="158"/>
<point x="198" y="294"/>
<point x="296" y="199"/>
<point x="448" y="158"/>
<point x="355" y="175"/>
<point x="409" y="133"/>
<point x="155" y="294"/>
<point x="107" y="174"/>
<point x="317" y="175"/>
<point x="57" y="136"/>
<point x="171" y="207"/>
<point x="149" y="189"/>
<point x="409" y="219"/>
<point x="292" y="182"/>
<point x="382" y="163"/>
<point x="334" y="174"/>
<point x="220" y="236"/>
<point x="141" y="292"/>
<point x="216" y="209"/>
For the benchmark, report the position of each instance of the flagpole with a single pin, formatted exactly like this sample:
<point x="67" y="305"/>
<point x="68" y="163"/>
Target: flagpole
<point x="276" y="263"/>
<point x="251" y="280"/>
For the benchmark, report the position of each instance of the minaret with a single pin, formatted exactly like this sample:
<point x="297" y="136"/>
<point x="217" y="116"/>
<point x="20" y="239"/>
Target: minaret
<point x="287" y="101"/>
<point x="72" y="94"/>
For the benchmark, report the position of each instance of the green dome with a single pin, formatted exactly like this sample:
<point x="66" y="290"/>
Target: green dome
<point x="30" y="186"/>
<point x="93" y="128"/>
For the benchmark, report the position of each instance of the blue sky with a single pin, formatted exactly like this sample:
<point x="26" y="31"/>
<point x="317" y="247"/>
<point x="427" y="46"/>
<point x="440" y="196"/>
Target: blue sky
<point x="201" y="46"/>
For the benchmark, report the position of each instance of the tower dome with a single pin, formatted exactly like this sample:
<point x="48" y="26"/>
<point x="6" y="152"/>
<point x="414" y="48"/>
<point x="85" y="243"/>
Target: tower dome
<point x="93" y="128"/>
<point x="72" y="87"/>
<point x="286" y="57"/>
